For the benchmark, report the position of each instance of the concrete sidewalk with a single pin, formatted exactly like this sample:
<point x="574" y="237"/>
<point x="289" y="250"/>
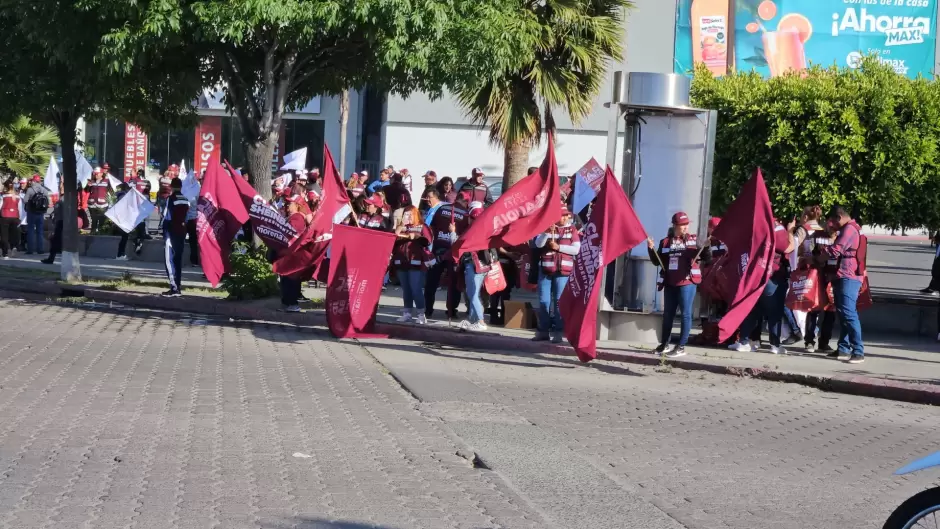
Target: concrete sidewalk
<point x="898" y="368"/>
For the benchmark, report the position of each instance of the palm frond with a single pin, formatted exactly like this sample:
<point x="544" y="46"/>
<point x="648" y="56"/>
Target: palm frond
<point x="25" y="146"/>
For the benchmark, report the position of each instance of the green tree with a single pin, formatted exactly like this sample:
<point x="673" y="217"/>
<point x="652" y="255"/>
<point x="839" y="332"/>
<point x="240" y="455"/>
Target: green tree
<point x="865" y="138"/>
<point x="50" y="70"/>
<point x="25" y="147"/>
<point x="271" y="56"/>
<point x="575" y="42"/>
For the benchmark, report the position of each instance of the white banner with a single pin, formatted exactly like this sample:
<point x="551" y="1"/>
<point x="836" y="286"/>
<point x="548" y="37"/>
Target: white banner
<point x="295" y="161"/>
<point x="84" y="169"/>
<point x="130" y="211"/>
<point x="51" y="181"/>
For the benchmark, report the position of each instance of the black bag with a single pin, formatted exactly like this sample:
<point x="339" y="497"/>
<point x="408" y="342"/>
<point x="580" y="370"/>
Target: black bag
<point x="38" y="203"/>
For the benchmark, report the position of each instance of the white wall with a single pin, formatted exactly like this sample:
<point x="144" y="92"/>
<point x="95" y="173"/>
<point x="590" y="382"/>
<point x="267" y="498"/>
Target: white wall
<point x="453" y="150"/>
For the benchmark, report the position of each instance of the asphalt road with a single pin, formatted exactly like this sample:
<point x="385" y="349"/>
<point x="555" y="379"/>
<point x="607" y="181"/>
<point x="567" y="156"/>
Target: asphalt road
<point x="898" y="267"/>
<point x="114" y="420"/>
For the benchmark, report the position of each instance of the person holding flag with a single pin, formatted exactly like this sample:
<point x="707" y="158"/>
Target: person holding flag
<point x="679" y="258"/>
<point x="97" y="188"/>
<point x="560" y="244"/>
<point x="291" y="287"/>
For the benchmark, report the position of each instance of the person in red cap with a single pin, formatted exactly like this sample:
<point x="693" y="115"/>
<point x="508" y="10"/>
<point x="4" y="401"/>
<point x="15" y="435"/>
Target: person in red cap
<point x="680" y="256"/>
<point x="475" y="190"/>
<point x="97" y="188"/>
<point x="372" y="217"/>
<point x="560" y="245"/>
<point x="37" y="205"/>
<point x="711" y="309"/>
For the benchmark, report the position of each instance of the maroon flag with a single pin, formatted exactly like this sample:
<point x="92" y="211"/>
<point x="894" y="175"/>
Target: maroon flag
<point x="357" y="267"/>
<point x="612" y="230"/>
<point x="740" y="276"/>
<point x="305" y="254"/>
<point x="520" y="213"/>
<point x="221" y="214"/>
<point x="266" y="221"/>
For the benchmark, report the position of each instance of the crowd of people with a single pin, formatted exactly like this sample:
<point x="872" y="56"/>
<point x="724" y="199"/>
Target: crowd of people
<point x="422" y="262"/>
<point x="834" y="246"/>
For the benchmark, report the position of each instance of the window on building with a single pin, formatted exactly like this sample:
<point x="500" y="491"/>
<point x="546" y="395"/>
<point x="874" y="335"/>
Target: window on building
<point x="300" y="133"/>
<point x="104" y="143"/>
<point x="232" y="142"/>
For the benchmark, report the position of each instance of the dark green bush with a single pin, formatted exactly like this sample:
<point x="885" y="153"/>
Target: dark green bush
<point x="250" y="275"/>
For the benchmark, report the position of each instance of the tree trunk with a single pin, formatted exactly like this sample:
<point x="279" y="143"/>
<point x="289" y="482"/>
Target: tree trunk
<point x="343" y="124"/>
<point x="258" y="155"/>
<point x="515" y="163"/>
<point x="71" y="270"/>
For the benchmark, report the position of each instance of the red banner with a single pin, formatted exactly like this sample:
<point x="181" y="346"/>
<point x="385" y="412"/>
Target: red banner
<point x="612" y="230"/>
<point x="221" y="214"/>
<point x="520" y="213"/>
<point x="357" y="267"/>
<point x="135" y="150"/>
<point x="208" y="142"/>
<point x="267" y="222"/>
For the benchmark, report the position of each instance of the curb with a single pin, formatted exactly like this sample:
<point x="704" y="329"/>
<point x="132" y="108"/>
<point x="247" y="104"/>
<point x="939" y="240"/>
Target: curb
<point x="851" y="385"/>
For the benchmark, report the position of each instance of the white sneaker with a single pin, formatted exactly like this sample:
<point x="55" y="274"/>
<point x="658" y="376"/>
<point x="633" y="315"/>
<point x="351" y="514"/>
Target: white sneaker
<point x="421" y="319"/>
<point x="477" y="327"/>
<point x="743" y="346"/>
<point x="405" y="316"/>
<point x="464" y="325"/>
<point x="292" y="308"/>
<point x="121" y="258"/>
<point x="778" y="350"/>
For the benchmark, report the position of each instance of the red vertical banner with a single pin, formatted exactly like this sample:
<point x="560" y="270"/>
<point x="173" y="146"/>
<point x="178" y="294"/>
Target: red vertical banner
<point x="208" y="142"/>
<point x="135" y="149"/>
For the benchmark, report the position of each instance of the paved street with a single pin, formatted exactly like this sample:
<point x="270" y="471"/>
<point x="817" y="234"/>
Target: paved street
<point x="109" y="422"/>
<point x="899" y="267"/>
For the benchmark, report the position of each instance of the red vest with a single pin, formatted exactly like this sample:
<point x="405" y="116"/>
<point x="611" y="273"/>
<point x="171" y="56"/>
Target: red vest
<point x="165" y="190"/>
<point x="440" y="226"/>
<point x="357" y="190"/>
<point x="373" y="222"/>
<point x="10" y="207"/>
<point x="474" y="193"/>
<point x="553" y="262"/>
<point x="412" y="254"/>
<point x="142" y="185"/>
<point x="678" y="256"/>
<point x="98" y="194"/>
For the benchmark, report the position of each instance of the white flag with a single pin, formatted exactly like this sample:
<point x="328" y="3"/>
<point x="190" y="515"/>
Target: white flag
<point x="51" y="181"/>
<point x="191" y="188"/>
<point x="115" y="183"/>
<point x="130" y="211"/>
<point x="296" y="160"/>
<point x="183" y="173"/>
<point x="84" y="169"/>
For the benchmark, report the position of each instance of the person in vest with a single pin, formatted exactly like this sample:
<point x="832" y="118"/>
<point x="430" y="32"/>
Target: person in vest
<point x="681" y="257"/>
<point x="58" y="220"/>
<point x="143" y="186"/>
<point x="410" y="258"/>
<point x="772" y="302"/>
<point x="475" y="266"/>
<point x="372" y="217"/>
<point x="174" y="234"/>
<point x="11" y="205"/>
<point x="98" y="188"/>
<point x="291" y="288"/>
<point x="848" y="249"/>
<point x="447" y="223"/>
<point x="164" y="188"/>
<point x="712" y="310"/>
<point x="560" y="246"/>
<point x="474" y="190"/>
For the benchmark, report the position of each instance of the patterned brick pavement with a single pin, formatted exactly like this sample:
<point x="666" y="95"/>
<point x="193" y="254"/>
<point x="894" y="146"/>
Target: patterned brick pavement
<point x="711" y="451"/>
<point x="111" y="421"/>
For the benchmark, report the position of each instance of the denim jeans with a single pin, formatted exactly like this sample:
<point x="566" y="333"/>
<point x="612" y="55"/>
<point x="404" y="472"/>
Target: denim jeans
<point x="474" y="282"/>
<point x="769" y="306"/>
<point x="550" y="288"/>
<point x="845" y="292"/>
<point x="412" y="288"/>
<point x="34" y="232"/>
<point x="677" y="298"/>
<point x="819" y="325"/>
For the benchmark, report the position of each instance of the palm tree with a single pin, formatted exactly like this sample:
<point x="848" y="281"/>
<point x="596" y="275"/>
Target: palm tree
<point x="575" y="41"/>
<point x="25" y="146"/>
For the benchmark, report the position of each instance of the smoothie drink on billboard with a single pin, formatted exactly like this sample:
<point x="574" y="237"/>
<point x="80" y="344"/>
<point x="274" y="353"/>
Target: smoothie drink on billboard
<point x="784" y="52"/>
<point x="710" y="34"/>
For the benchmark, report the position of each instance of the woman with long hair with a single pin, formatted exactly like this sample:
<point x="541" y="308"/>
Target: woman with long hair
<point x="409" y="262"/>
<point x="447" y="190"/>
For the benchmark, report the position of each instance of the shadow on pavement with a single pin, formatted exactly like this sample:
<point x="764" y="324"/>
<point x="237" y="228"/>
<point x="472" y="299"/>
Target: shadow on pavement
<point x="322" y="523"/>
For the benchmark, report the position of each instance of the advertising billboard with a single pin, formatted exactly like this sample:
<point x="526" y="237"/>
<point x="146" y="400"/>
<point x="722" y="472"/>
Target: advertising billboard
<point x="773" y="37"/>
